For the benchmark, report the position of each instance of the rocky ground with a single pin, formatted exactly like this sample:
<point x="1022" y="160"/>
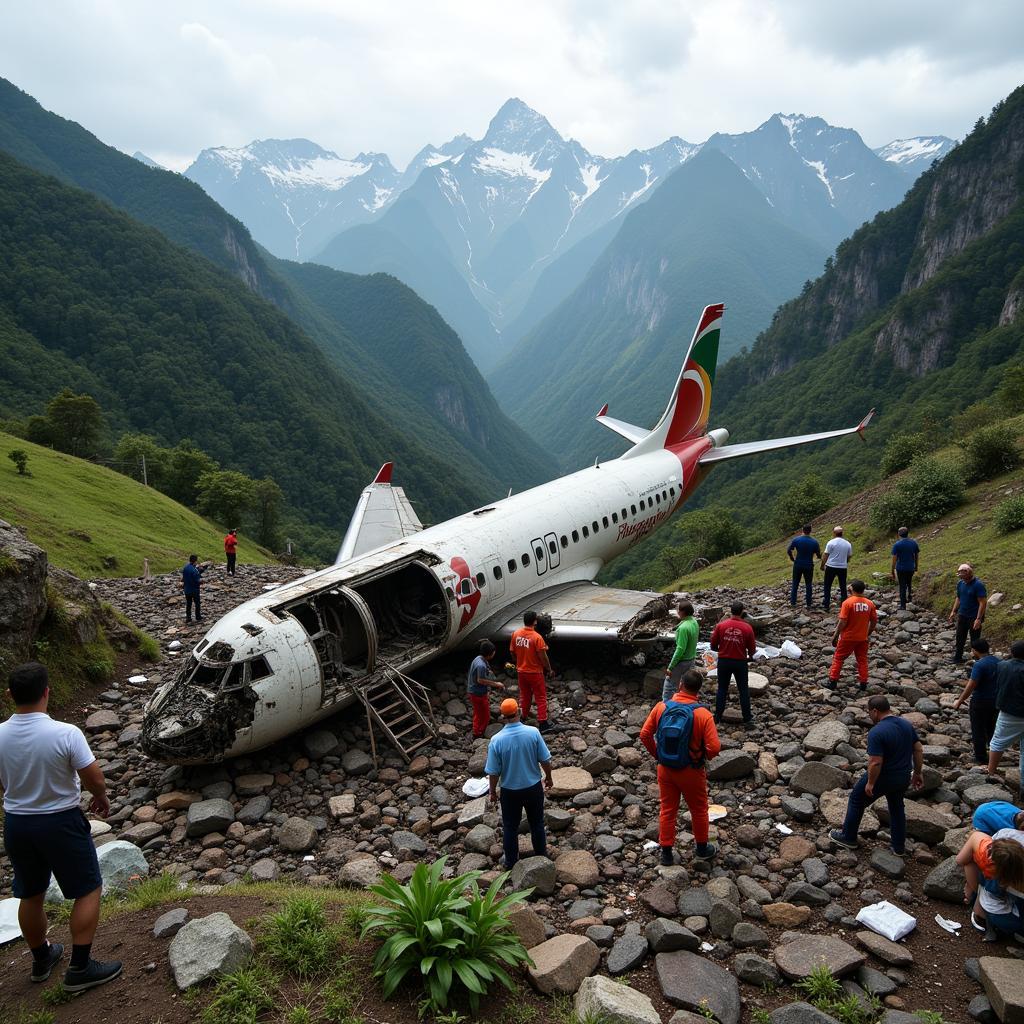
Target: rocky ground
<point x="778" y="899"/>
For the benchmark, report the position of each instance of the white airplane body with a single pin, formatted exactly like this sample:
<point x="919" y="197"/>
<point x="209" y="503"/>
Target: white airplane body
<point x="401" y="595"/>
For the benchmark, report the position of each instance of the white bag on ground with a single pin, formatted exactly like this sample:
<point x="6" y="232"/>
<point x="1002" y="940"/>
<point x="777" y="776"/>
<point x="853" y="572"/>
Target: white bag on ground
<point x="766" y="652"/>
<point x="475" y="787"/>
<point x="887" y="919"/>
<point x="790" y="650"/>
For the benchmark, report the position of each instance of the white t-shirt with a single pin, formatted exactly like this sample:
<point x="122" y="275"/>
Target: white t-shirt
<point x="837" y="552"/>
<point x="1003" y="901"/>
<point x="39" y="764"/>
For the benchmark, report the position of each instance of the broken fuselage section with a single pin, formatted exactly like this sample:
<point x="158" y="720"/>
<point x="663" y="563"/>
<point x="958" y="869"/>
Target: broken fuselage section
<point x="282" y="661"/>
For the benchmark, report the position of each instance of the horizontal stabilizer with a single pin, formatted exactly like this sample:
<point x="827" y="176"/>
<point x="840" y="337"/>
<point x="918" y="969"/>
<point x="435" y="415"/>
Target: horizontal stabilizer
<point x="383" y="515"/>
<point x="737" y="451"/>
<point x="627" y="430"/>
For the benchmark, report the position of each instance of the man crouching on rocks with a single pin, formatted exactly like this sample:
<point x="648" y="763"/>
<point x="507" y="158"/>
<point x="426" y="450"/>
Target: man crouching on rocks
<point x="43" y="765"/>
<point x="681" y="735"/>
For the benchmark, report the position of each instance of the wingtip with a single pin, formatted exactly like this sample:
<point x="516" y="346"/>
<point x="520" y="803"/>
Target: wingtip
<point x="863" y="423"/>
<point x="384" y="473"/>
<point x="603" y="412"/>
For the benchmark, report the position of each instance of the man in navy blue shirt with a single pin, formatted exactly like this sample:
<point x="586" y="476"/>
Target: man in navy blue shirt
<point x="1010" y="702"/>
<point x="895" y="762"/>
<point x="802" y="552"/>
<point x="981" y="688"/>
<point x="968" y="609"/>
<point x="905" y="553"/>
<point x="191" y="581"/>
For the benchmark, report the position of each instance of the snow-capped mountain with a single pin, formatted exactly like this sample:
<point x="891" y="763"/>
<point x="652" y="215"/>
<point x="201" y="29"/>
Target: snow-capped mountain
<point x="916" y="155"/>
<point x="147" y="160"/>
<point x="293" y="195"/>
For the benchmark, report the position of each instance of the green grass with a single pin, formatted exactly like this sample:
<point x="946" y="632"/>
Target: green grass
<point x="66" y="500"/>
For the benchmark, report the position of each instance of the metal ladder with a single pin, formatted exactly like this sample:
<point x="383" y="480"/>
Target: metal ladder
<point x="400" y="708"/>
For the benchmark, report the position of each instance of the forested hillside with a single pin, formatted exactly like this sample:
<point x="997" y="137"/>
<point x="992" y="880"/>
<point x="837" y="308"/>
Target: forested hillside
<point x="918" y="315"/>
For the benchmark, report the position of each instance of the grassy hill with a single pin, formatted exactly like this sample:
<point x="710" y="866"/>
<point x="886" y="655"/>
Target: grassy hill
<point x="82" y="514"/>
<point x="964" y="535"/>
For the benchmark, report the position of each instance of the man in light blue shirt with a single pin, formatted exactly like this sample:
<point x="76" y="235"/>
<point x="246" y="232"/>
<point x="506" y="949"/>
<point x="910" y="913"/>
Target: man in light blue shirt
<point x="994" y="816"/>
<point x="516" y="757"/>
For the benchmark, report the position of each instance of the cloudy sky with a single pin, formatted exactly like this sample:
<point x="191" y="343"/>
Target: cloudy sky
<point x="391" y="75"/>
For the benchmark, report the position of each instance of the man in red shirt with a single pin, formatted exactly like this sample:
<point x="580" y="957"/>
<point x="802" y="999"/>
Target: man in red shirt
<point x="690" y="783"/>
<point x="858" y="618"/>
<point x="230" y="549"/>
<point x="530" y="651"/>
<point x="734" y="640"/>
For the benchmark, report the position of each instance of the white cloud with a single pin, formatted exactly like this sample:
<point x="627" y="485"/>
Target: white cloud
<point x="171" y="79"/>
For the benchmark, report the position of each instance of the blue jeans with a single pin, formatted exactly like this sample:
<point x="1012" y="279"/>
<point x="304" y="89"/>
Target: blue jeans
<point x="807" y="572"/>
<point x="672" y="683"/>
<point x="893" y="790"/>
<point x="1009" y="729"/>
<point x="513" y="803"/>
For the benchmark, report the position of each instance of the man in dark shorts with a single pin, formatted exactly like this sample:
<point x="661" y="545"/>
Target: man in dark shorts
<point x="895" y="762"/>
<point x="43" y="765"/>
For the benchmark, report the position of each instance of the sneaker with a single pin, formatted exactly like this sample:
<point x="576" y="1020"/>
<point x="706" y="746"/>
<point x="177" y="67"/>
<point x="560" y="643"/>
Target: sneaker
<point x="41" y="971"/>
<point x="707" y="853"/>
<point x="543" y="726"/>
<point x="837" y="837"/>
<point x="829" y="684"/>
<point x="667" y="857"/>
<point x="749" y="723"/>
<point x="95" y="972"/>
<point x="862" y="686"/>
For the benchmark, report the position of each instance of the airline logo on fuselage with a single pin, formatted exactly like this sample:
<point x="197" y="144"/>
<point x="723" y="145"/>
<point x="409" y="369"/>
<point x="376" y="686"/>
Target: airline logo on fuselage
<point x="467" y="602"/>
<point x="635" y="532"/>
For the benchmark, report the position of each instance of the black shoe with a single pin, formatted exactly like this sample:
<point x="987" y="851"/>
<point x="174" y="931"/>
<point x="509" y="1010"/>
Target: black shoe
<point x="543" y="726"/>
<point x="829" y="685"/>
<point x="667" y="857"/>
<point x="837" y="837"/>
<point x="956" y="661"/>
<point x="95" y="972"/>
<point x="199" y="618"/>
<point x="749" y="723"/>
<point x="706" y="853"/>
<point x="41" y="971"/>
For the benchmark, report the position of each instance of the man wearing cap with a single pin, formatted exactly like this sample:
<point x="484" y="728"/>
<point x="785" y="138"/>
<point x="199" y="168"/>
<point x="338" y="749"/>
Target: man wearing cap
<point x="968" y="609"/>
<point x="835" y="560"/>
<point x="905" y="553"/>
<point x="516" y="757"/>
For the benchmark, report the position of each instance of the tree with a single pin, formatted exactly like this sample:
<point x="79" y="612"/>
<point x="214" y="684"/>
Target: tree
<point x="77" y="423"/>
<point x="1010" y="393"/>
<point x="268" y="498"/>
<point x="225" y="496"/>
<point x="20" y="459"/>
<point x="129" y="454"/>
<point x="802" y="502"/>
<point x="39" y="430"/>
<point x="187" y="464"/>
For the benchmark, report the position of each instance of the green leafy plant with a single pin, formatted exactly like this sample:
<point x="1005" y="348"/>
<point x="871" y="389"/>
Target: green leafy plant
<point x="299" y="1015"/>
<point x="56" y="995"/>
<point x="901" y="450"/>
<point x="1010" y="515"/>
<point x="989" y="452"/>
<point x="705" y="1011"/>
<point x="933" y="488"/>
<point x="240" y="997"/>
<point x="820" y="986"/>
<point x="761" y="1016"/>
<point x="299" y="939"/>
<point x="452" y="939"/>
<point x="930" y="1017"/>
<point x="20" y="459"/>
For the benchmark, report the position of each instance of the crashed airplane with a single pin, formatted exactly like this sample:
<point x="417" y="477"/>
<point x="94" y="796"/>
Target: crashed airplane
<point x="400" y="595"/>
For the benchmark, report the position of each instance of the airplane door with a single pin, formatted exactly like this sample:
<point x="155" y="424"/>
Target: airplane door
<point x="495" y="577"/>
<point x="552" y="545"/>
<point x="540" y="556"/>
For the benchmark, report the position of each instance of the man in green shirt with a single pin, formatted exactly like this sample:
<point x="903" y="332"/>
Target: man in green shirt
<point x="686" y="650"/>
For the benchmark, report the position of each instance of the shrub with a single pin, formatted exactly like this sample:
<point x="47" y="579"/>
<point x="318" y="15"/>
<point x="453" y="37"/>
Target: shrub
<point x="20" y="459"/>
<point x="988" y="452"/>
<point x="1010" y="515"/>
<point x="241" y="997"/>
<point x="447" y="938"/>
<point x="299" y="939"/>
<point x="932" y="489"/>
<point x="802" y="502"/>
<point x="901" y="450"/>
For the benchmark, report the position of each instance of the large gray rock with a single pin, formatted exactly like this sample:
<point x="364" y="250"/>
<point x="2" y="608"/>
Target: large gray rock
<point x="121" y="864"/>
<point x="207" y="947"/>
<point x="983" y="793"/>
<point x="319" y="743"/>
<point x="402" y="841"/>
<point x="296" y="835"/>
<point x="755" y="970"/>
<point x="170" y="923"/>
<point x="924" y="821"/>
<point x="479" y="839"/>
<point x="800" y="1013"/>
<point x="824" y="737"/>
<point x="832" y="805"/>
<point x="690" y="981"/>
<point x="537" y="873"/>
<point x="206" y="816"/>
<point x="883" y="948"/>
<point x="1003" y="981"/>
<point x="628" y="953"/>
<point x="22" y="590"/>
<point x="817" y="777"/>
<point x="356" y="762"/>
<point x="665" y="935"/>
<point x="730" y="765"/>
<point x="361" y="872"/>
<point x="561" y="964"/>
<point x="600" y="998"/>
<point x="798" y="958"/>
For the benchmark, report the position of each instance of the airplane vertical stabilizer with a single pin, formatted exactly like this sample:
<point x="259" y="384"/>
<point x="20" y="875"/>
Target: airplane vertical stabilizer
<point x="686" y="415"/>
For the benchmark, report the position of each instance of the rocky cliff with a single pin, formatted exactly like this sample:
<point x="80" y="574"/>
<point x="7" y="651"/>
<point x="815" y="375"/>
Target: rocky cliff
<point x="22" y="593"/>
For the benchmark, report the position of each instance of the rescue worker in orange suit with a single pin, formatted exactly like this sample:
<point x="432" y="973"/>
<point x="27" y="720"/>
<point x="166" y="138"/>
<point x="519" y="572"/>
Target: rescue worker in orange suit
<point x="530" y="651"/>
<point x="858" y="619"/>
<point x="231" y="549"/>
<point x="689" y="783"/>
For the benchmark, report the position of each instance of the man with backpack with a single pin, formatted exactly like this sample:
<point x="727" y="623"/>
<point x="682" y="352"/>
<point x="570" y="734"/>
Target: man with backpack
<point x="681" y="735"/>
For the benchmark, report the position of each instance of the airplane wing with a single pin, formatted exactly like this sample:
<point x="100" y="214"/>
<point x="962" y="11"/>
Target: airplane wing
<point x="736" y="451"/>
<point x="627" y="430"/>
<point x="383" y="514"/>
<point x="587" y="611"/>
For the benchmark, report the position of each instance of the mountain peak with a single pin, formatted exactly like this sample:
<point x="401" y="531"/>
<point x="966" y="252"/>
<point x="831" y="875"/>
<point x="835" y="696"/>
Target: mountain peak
<point x="517" y="126"/>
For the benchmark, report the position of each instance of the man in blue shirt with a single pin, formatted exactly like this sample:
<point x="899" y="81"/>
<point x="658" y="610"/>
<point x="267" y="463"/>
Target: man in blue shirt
<point x="1010" y="702"/>
<point x="895" y="761"/>
<point x="996" y="815"/>
<point x="802" y="552"/>
<point x="905" y="553"/>
<point x="516" y="757"/>
<point x="981" y="688"/>
<point x="191" y="581"/>
<point x="968" y="609"/>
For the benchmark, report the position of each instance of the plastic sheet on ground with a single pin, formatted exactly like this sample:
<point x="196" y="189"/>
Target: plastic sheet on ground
<point x="475" y="787"/>
<point x="887" y="919"/>
<point x="953" y="927"/>
<point x="788" y="650"/>
<point x="9" y="928"/>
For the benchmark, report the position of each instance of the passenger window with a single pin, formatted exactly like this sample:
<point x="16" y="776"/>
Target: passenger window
<point x="594" y="526"/>
<point x="664" y="494"/>
<point x="575" y="536"/>
<point x="449" y="593"/>
<point x="539" y="552"/>
<point x="586" y="532"/>
<point x="615" y="517"/>
<point x="552" y="547"/>
<point x="481" y="580"/>
<point x="642" y="505"/>
<point x="565" y="541"/>
<point x="672" y="491"/>
<point x="259" y="669"/>
<point x="657" y="498"/>
<point x="624" y="513"/>
<point x="497" y="572"/>
<point x="525" y="560"/>
<point x="512" y="565"/>
<point x="466" y="587"/>
<point x="633" y="507"/>
<point x="604" y="521"/>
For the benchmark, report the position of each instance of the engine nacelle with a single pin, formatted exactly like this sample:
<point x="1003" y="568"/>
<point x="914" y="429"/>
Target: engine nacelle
<point x="719" y="437"/>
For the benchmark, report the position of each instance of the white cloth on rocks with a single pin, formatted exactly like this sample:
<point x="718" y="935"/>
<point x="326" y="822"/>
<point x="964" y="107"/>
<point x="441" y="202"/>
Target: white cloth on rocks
<point x="475" y="787"/>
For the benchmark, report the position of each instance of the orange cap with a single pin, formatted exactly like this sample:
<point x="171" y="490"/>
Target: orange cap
<point x="509" y="706"/>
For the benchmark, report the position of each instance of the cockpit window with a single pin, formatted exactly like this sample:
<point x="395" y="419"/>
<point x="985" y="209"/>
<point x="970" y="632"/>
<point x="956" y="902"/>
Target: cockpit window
<point x="234" y="678"/>
<point x="259" y="668"/>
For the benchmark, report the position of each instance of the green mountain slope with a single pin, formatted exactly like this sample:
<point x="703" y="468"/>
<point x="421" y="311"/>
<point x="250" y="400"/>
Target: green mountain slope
<point x="84" y="515"/>
<point x="706" y="235"/>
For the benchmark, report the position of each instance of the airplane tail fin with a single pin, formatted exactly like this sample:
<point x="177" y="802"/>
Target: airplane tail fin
<point x="686" y="415"/>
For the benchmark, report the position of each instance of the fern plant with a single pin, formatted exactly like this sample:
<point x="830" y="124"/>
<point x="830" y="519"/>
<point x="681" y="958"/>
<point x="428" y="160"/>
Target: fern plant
<point x="454" y="941"/>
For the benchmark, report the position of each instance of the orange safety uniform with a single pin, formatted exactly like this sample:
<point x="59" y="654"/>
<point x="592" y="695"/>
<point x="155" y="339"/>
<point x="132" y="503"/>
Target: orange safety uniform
<point x="689" y="783"/>
<point x="526" y="647"/>
<point x="860" y="615"/>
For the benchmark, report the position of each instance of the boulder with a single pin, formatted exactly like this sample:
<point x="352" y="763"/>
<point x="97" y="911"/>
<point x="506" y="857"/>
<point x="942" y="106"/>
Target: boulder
<point x="577" y="867"/>
<point x="319" y="743"/>
<point x="628" y="953"/>
<point x="924" y="822"/>
<point x="755" y="970"/>
<point x="1003" y="981"/>
<point x="403" y="841"/>
<point x="570" y="782"/>
<point x="528" y="925"/>
<point x="798" y="958"/>
<point x="823" y="737"/>
<point x="665" y="935"/>
<point x="598" y="760"/>
<point x="253" y="811"/>
<point x="361" y="872"/>
<point x="832" y="805"/>
<point x="22" y="591"/>
<point x="879" y="946"/>
<point x="537" y="873"/>
<point x="170" y="923"/>
<point x="817" y="777"/>
<point x="479" y="839"/>
<point x="560" y="964"/>
<point x="207" y="947"/>
<point x="472" y="813"/>
<point x="600" y="998"/>
<point x="731" y="765"/>
<point x="253" y="784"/>
<point x="690" y="981"/>
<point x="800" y="1013"/>
<point x="356" y="762"/>
<point x="121" y="864"/>
<point x="986" y="792"/>
<point x="296" y="835"/>
<point x="205" y="816"/>
<point x="266" y="869"/>
<point x="102" y="721"/>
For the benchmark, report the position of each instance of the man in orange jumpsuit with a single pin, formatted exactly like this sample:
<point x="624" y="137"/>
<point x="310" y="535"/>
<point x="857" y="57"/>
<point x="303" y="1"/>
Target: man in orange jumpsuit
<point x="690" y="782"/>
<point x="530" y="651"/>
<point x="858" y="619"/>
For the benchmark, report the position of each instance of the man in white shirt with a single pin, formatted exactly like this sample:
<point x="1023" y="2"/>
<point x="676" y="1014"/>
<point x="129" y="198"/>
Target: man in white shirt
<point x="43" y="766"/>
<point x="834" y="560"/>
